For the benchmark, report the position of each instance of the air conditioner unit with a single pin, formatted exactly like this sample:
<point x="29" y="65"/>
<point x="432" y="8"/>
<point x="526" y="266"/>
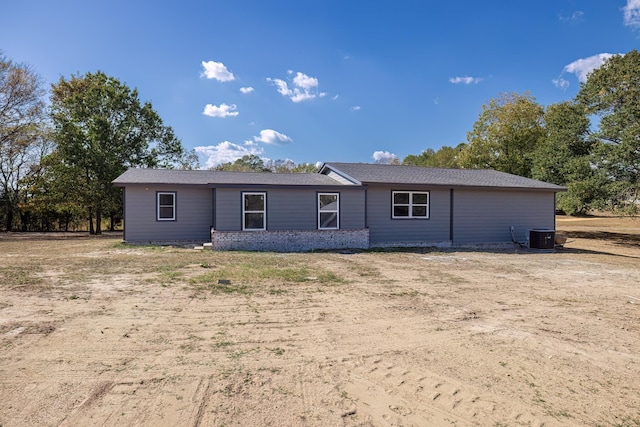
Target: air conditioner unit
<point x="542" y="239"/>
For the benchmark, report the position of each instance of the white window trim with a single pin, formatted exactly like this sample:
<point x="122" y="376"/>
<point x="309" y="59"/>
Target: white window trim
<point x="173" y="205"/>
<point x="410" y="204"/>
<point x="263" y="211"/>
<point x="337" y="211"/>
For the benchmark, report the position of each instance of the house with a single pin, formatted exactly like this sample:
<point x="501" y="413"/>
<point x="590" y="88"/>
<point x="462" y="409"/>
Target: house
<point x="344" y="205"/>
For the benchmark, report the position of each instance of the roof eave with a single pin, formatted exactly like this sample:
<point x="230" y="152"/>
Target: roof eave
<point x="463" y="186"/>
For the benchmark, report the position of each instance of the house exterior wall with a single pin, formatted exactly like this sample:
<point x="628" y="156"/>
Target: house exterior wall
<point x="485" y="216"/>
<point x="480" y="217"/>
<point x="386" y="231"/>
<point x="193" y="214"/>
<point x="288" y="209"/>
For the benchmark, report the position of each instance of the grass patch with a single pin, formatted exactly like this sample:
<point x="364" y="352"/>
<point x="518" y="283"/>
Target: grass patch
<point x="223" y="288"/>
<point x="249" y="272"/>
<point x="170" y="274"/>
<point x="20" y="276"/>
<point x="246" y="268"/>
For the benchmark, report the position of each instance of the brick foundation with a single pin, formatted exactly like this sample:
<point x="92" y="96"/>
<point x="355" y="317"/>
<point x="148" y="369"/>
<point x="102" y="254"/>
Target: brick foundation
<point x="290" y="241"/>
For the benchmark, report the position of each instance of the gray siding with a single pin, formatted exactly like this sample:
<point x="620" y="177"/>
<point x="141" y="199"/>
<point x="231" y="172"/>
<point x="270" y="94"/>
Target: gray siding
<point x="288" y="209"/>
<point x="227" y="209"/>
<point x="193" y="214"/>
<point x="485" y="216"/>
<point x="352" y="209"/>
<point x="385" y="230"/>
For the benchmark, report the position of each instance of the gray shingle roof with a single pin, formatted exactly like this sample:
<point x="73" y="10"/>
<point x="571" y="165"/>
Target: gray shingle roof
<point x="359" y="173"/>
<point x="206" y="177"/>
<point x="367" y="173"/>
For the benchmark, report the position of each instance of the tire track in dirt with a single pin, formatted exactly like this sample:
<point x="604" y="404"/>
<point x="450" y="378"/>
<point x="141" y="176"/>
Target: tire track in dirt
<point x="388" y="392"/>
<point x="97" y="394"/>
<point x="204" y="400"/>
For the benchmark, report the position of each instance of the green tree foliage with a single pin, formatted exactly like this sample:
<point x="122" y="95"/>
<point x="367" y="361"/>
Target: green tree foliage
<point x="54" y="204"/>
<point x="445" y="157"/>
<point x="101" y="128"/>
<point x="289" y="166"/>
<point x="505" y="135"/>
<point x="304" y="168"/>
<point x="247" y="163"/>
<point x="612" y="92"/>
<point x="22" y="136"/>
<point x="253" y="163"/>
<point x="563" y="157"/>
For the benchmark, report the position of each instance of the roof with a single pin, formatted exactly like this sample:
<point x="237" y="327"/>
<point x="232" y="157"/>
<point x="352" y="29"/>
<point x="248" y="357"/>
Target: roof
<point x="358" y="174"/>
<point x="213" y="178"/>
<point x="367" y="173"/>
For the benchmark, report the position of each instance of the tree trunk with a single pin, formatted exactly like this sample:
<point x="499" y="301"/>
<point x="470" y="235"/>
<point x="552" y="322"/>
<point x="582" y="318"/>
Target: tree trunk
<point x="91" y="230"/>
<point x="99" y="221"/>
<point x="24" y="221"/>
<point x="112" y="226"/>
<point x="9" y="222"/>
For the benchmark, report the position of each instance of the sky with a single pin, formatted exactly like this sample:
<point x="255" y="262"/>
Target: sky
<point x="324" y="80"/>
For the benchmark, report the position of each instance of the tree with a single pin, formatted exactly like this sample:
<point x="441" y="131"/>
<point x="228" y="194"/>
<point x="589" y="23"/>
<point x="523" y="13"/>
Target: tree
<point x="445" y="157"/>
<point x="505" y="135"/>
<point x="101" y="128"/>
<point x="305" y="168"/>
<point x="22" y="134"/>
<point x="289" y="166"/>
<point x="612" y="92"/>
<point x="53" y="204"/>
<point x="253" y="163"/>
<point x="564" y="157"/>
<point x="246" y="163"/>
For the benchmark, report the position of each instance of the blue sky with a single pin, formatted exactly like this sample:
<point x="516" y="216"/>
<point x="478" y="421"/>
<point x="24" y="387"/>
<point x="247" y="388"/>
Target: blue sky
<point x="324" y="80"/>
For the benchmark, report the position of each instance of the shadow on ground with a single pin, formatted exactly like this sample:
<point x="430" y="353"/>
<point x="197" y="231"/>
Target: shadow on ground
<point x="622" y="239"/>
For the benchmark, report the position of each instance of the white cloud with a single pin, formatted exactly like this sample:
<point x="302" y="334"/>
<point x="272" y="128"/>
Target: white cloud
<point x="632" y="14"/>
<point x="582" y="67"/>
<point x="246" y="90"/>
<point x="384" y="157"/>
<point x="574" y="17"/>
<point x="355" y="108"/>
<point x="225" y="152"/>
<point x="465" y="80"/>
<point x="303" y="87"/>
<point x="223" y="110"/>
<point x="270" y="136"/>
<point x="217" y="70"/>
<point x="305" y="82"/>
<point x="560" y="83"/>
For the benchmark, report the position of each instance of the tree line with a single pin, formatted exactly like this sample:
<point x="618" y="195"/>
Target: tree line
<point x="590" y="144"/>
<point x="58" y="159"/>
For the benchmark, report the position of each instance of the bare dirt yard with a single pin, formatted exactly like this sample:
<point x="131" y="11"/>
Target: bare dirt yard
<point x="93" y="332"/>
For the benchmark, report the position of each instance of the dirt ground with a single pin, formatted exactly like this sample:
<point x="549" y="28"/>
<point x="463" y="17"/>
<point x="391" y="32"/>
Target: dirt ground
<point x="97" y="333"/>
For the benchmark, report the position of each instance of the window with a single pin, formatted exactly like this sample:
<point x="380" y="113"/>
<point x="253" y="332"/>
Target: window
<point x="328" y="210"/>
<point x="410" y="204"/>
<point x="254" y="209"/>
<point x="166" y="206"/>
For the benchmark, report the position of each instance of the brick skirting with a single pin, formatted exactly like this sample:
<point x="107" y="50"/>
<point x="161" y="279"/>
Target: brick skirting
<point x="290" y="241"/>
